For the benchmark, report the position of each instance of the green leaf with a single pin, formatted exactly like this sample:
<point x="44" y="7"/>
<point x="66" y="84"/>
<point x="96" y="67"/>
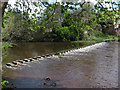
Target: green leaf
<point x="35" y="3"/>
<point x="36" y="10"/>
<point x="34" y="14"/>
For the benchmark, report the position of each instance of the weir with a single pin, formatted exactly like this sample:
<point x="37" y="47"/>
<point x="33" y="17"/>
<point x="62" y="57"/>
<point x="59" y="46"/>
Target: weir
<point x="39" y="58"/>
<point x="24" y="61"/>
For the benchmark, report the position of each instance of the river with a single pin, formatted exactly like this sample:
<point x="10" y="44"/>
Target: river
<point x="27" y="50"/>
<point x="93" y="68"/>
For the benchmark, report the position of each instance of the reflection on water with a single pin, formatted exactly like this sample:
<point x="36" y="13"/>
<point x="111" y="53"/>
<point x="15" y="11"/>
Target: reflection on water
<point x="90" y="70"/>
<point x="27" y="50"/>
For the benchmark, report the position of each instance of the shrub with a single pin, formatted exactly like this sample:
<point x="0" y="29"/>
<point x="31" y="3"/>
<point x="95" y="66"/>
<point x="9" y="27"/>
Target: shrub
<point x="62" y="34"/>
<point x="4" y="84"/>
<point x="76" y="33"/>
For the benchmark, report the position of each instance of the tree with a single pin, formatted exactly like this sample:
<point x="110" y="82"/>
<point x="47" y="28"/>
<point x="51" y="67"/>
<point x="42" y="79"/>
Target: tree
<point x="76" y="17"/>
<point x="3" y="5"/>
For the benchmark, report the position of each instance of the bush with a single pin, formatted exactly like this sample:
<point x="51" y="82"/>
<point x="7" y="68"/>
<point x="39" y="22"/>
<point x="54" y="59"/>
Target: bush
<point x="76" y="33"/>
<point x="4" y="84"/>
<point x="98" y="33"/>
<point x="72" y="33"/>
<point x="61" y="34"/>
<point x="91" y="33"/>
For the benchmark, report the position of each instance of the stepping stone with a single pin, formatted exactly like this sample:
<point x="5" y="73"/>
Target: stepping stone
<point x="47" y="55"/>
<point x="26" y="60"/>
<point x="10" y="64"/>
<point x="34" y="57"/>
<point x="54" y="84"/>
<point x="48" y="79"/>
<point x="31" y="59"/>
<point x="21" y="61"/>
<point x="38" y="56"/>
<point x="43" y="56"/>
<point x="51" y="54"/>
<point x="16" y="62"/>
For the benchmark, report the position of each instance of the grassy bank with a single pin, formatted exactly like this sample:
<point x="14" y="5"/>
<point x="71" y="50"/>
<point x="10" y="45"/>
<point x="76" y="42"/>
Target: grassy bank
<point x="99" y="39"/>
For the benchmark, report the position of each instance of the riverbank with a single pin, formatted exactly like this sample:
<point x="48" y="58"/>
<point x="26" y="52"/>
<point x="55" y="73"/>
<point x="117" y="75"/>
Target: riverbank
<point x="5" y="46"/>
<point x="99" y="39"/>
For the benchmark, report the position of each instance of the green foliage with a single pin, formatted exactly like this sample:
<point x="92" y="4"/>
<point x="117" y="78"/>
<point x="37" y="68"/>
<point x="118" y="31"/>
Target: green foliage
<point x="61" y="34"/>
<point x="57" y="53"/>
<point x="4" y="84"/>
<point x="76" y="33"/>
<point x="70" y="33"/>
<point x="68" y="21"/>
<point x="19" y="29"/>
<point x="6" y="45"/>
<point x="119" y="38"/>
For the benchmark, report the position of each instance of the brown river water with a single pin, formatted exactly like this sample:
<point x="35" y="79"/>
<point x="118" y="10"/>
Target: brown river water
<point x="96" y="68"/>
<point x="27" y="50"/>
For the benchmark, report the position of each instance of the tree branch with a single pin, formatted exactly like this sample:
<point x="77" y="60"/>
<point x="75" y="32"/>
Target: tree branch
<point x="82" y="9"/>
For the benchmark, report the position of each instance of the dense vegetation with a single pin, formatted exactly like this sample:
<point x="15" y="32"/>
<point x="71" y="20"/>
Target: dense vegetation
<point x="66" y="21"/>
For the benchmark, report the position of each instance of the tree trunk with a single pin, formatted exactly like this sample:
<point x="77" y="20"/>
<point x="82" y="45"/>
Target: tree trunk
<point x="2" y="10"/>
<point x="2" y="7"/>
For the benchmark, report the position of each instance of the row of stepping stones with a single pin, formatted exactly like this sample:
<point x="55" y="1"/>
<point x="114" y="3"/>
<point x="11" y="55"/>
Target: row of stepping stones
<point x="20" y="62"/>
